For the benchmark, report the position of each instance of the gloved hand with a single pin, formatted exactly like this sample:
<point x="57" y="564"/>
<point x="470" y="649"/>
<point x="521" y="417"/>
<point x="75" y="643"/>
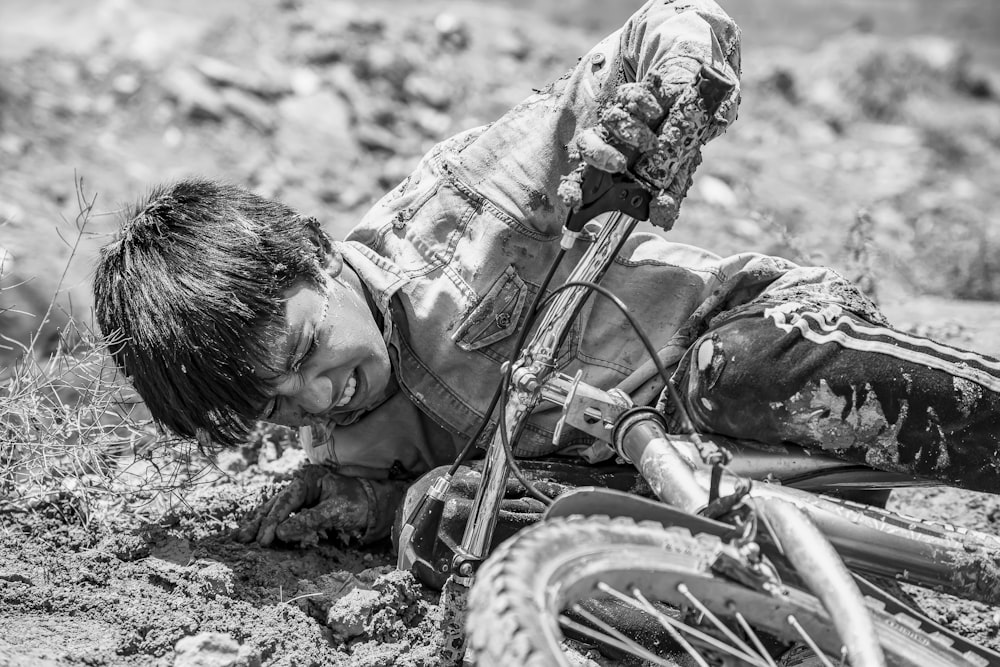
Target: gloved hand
<point x="517" y="508"/>
<point x="655" y="128"/>
<point x="317" y="501"/>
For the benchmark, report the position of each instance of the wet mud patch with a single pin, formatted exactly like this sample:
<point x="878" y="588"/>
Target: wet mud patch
<point x="164" y="593"/>
<point x="976" y="621"/>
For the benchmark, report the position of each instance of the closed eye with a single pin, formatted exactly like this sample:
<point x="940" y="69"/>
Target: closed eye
<point x="313" y="344"/>
<point x="271" y="407"/>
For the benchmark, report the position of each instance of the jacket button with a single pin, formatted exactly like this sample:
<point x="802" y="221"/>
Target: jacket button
<point x="597" y="59"/>
<point x="503" y="320"/>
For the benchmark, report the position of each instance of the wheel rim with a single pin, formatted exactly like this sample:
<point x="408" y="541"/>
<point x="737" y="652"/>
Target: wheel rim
<point x="683" y="581"/>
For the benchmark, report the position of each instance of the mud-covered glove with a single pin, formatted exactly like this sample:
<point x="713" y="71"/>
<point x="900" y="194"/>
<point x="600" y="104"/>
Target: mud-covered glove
<point x="518" y="509"/>
<point x="654" y="129"/>
<point x="320" y="502"/>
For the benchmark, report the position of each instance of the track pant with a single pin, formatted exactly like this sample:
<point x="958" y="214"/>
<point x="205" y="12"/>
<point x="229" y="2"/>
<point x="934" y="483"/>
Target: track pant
<point x="826" y="379"/>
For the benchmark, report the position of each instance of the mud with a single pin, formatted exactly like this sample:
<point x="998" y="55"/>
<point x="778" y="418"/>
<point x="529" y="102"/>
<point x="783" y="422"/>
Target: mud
<point x="129" y="594"/>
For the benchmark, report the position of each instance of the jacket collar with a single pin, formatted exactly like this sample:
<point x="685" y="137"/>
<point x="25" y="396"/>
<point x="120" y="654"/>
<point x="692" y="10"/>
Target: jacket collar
<point x="382" y="278"/>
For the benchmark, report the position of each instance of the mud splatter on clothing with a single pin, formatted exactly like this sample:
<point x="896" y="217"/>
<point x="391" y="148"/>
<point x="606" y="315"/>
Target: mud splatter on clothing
<point x="828" y="379"/>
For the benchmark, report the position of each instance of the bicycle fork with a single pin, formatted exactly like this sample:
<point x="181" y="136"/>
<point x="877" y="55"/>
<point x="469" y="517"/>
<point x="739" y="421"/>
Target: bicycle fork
<point x="641" y="439"/>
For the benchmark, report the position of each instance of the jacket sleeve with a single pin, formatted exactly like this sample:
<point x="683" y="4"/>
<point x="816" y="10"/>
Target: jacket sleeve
<point x="517" y="162"/>
<point x="384" y="497"/>
<point x="665" y="30"/>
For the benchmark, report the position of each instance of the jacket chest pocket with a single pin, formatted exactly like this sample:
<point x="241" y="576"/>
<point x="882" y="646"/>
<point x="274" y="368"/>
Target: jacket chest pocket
<point x="496" y="316"/>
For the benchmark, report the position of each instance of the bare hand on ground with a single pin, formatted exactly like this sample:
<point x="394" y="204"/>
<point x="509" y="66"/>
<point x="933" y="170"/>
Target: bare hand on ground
<point x="317" y="501"/>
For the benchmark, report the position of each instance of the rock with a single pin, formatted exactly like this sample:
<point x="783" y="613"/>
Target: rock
<point x="260" y="81"/>
<point x="175" y="550"/>
<point x="320" y="51"/>
<point x="982" y="81"/>
<point x="432" y="91"/>
<point x="390" y="62"/>
<point x="126" y="84"/>
<point x="381" y="612"/>
<point x="941" y="56"/>
<point x="349" y="615"/>
<point x="432" y="124"/>
<point x="14" y="145"/>
<point x="746" y="228"/>
<point x="305" y="82"/>
<point x="10" y="213"/>
<point x="213" y="649"/>
<point x="780" y="80"/>
<point x="250" y="108"/>
<point x="716" y="192"/>
<point x="452" y="31"/>
<point x="366" y="23"/>
<point x="868" y="77"/>
<point x="513" y="43"/>
<point x="318" y="595"/>
<point x="173" y="136"/>
<point x="194" y="97"/>
<point x="125" y="546"/>
<point x="215" y="578"/>
<point x="316" y="124"/>
<point x="378" y="138"/>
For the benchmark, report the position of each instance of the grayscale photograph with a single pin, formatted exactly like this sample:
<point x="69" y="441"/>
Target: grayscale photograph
<point x="512" y="333"/>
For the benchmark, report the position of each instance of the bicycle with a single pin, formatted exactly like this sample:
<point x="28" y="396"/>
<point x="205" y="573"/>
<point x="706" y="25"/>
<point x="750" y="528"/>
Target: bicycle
<point x="730" y="570"/>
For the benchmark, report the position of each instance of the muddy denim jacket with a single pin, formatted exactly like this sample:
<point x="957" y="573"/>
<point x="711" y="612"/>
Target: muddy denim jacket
<point x="453" y="256"/>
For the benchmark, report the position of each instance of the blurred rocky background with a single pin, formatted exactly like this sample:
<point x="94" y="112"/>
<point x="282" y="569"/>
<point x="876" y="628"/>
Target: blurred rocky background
<point x="887" y="109"/>
<point x="869" y="139"/>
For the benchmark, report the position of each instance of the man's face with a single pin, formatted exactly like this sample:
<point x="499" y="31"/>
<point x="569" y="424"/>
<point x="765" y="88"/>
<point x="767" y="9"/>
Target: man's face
<point x="332" y="350"/>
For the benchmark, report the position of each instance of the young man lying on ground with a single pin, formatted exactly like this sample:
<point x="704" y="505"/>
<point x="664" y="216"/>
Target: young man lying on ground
<point x="228" y="308"/>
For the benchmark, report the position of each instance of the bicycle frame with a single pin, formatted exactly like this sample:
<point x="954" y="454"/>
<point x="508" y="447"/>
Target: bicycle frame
<point x="867" y="540"/>
<point x="686" y="473"/>
<point x="534" y="366"/>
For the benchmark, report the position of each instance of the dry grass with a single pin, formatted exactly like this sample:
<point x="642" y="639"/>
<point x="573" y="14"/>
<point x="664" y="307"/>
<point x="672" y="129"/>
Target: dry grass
<point x="75" y="438"/>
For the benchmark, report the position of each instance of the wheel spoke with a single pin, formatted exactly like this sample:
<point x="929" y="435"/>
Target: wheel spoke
<point x="533" y="583"/>
<point x="794" y="622"/>
<point x="662" y="618"/>
<point x="611" y="636"/>
<point x="722" y="627"/>
<point x="673" y="626"/>
<point x="714" y="642"/>
<point x="753" y="637"/>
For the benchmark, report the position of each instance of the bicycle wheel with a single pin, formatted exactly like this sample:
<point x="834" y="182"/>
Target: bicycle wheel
<point x="558" y="578"/>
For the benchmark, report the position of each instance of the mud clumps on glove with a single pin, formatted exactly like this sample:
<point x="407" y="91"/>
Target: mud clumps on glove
<point x="628" y="130"/>
<point x="639" y="99"/>
<point x="570" y="188"/>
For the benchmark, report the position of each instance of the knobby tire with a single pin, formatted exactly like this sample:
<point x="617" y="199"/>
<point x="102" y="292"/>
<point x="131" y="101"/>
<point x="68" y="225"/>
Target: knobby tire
<point x="532" y="578"/>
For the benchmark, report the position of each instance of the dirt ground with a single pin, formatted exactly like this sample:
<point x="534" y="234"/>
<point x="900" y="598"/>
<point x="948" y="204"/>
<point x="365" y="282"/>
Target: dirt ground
<point x="887" y="109"/>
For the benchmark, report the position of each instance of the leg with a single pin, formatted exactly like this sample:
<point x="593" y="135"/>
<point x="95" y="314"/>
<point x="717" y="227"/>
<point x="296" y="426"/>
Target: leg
<point x="830" y="380"/>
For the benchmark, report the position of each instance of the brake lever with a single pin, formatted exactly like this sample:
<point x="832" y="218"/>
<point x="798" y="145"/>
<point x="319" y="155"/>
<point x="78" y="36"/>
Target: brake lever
<point x="603" y="192"/>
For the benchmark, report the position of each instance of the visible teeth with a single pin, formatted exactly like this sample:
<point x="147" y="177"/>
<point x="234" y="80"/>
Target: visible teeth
<point x="352" y="385"/>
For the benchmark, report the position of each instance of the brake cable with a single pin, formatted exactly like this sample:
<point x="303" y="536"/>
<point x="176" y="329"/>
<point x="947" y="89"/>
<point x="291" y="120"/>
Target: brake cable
<point x="505" y="378"/>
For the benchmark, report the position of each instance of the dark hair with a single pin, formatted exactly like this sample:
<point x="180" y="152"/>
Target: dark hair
<point x="187" y="296"/>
